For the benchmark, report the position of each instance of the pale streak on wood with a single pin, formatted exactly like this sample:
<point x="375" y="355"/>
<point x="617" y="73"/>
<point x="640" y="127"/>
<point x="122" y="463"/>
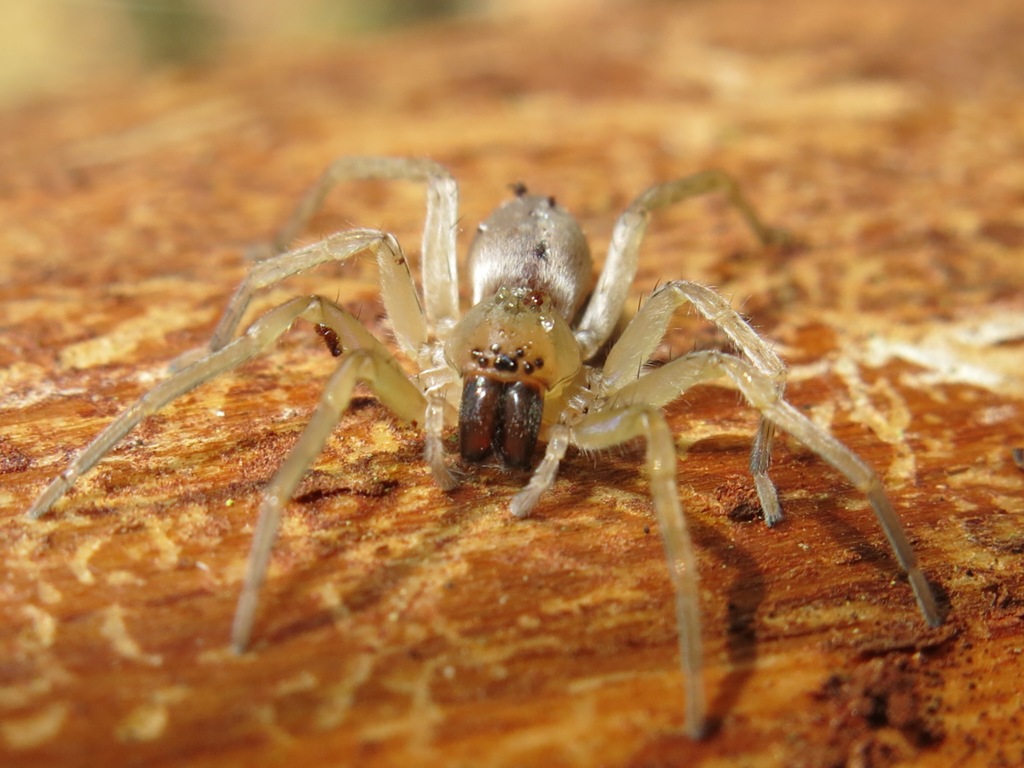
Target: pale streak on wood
<point x="115" y="630"/>
<point x="119" y="344"/>
<point x="168" y="552"/>
<point x="148" y="721"/>
<point x="25" y="694"/>
<point x="26" y="732"/>
<point x="889" y="425"/>
<point x="973" y="351"/>
<point x="44" y="625"/>
<point x="301" y="682"/>
<point x="79" y="562"/>
<point x="336" y="701"/>
<point x="48" y="593"/>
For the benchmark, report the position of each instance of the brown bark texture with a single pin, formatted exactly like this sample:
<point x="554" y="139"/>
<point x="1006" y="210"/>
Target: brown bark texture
<point x="402" y="625"/>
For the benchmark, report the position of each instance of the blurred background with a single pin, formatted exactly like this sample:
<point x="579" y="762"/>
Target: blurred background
<point x="48" y="46"/>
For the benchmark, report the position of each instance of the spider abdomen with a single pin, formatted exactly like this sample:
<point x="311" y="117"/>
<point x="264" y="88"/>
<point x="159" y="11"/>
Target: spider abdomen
<point x="533" y="242"/>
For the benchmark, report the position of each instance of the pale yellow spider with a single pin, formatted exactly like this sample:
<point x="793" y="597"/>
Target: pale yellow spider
<point x="514" y="368"/>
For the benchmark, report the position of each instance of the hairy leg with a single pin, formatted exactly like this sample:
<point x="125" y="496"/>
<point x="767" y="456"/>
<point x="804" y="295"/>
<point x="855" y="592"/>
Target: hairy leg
<point x="376" y="369"/>
<point x="440" y="275"/>
<point x="261" y="334"/>
<point x="397" y="288"/>
<point x="605" y="306"/>
<point x="544" y="475"/>
<point x="645" y="331"/>
<point x="608" y="428"/>
<point x="671" y="380"/>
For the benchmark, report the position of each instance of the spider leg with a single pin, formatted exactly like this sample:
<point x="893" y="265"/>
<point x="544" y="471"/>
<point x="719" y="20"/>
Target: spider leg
<point x="433" y="426"/>
<point x="350" y="332"/>
<point x="440" y="273"/>
<point x="645" y="331"/>
<point x="544" y="476"/>
<point x="669" y="381"/>
<point x="397" y="288"/>
<point x="605" y="306"/>
<point x="376" y="368"/>
<point x="401" y="302"/>
<point x="604" y="429"/>
<point x="365" y="359"/>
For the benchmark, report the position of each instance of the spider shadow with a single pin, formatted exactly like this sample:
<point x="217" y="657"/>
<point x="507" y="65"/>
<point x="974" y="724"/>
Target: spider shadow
<point x="745" y="595"/>
<point x="848" y="537"/>
<point x="386" y="576"/>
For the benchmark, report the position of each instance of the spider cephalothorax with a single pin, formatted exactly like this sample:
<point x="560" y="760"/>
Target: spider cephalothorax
<point x="521" y="350"/>
<point x="517" y="368"/>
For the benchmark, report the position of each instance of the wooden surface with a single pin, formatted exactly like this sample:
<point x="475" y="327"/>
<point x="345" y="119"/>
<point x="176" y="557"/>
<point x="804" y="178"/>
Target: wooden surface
<point x="405" y="626"/>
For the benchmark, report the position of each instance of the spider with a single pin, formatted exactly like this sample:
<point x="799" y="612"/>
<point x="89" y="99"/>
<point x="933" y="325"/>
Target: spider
<point x="517" y="367"/>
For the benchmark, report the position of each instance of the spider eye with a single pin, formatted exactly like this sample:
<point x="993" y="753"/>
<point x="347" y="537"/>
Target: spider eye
<point x="503" y="416"/>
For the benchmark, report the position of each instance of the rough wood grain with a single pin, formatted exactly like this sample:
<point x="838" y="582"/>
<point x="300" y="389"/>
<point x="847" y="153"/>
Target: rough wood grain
<point x="402" y="625"/>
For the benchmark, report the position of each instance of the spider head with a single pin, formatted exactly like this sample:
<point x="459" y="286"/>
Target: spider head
<point x="512" y="350"/>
